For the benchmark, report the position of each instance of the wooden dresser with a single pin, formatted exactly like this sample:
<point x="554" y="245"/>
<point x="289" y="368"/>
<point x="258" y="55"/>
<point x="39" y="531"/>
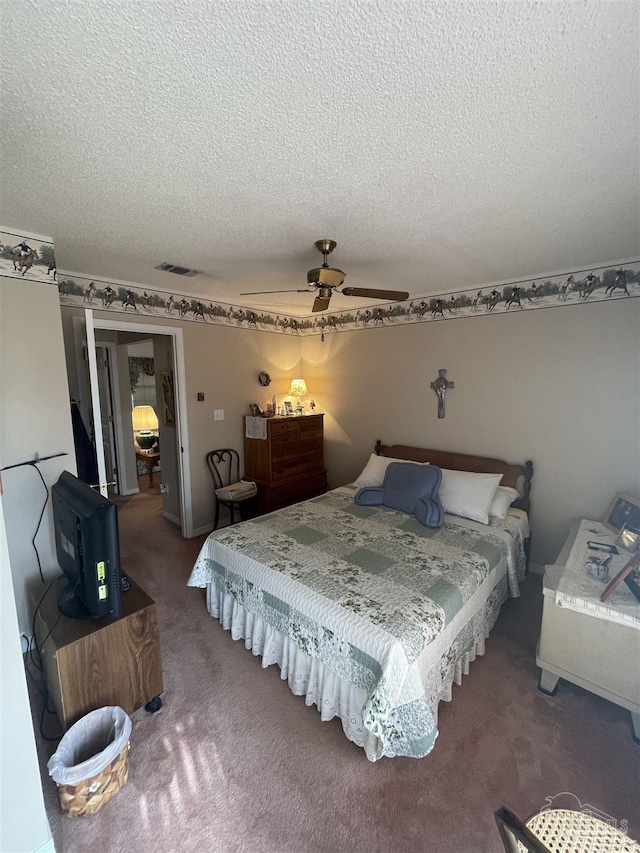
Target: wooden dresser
<point x="288" y="465"/>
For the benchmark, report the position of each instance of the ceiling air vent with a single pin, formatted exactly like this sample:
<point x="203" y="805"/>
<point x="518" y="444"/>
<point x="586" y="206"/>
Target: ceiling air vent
<point x="177" y="270"/>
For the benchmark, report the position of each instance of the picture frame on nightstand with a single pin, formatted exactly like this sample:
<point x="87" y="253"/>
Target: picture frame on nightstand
<point x="632" y="580"/>
<point x="628" y="574"/>
<point x="624" y="511"/>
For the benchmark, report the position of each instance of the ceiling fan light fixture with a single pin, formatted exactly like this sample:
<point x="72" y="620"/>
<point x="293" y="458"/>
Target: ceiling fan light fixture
<point x="327" y="276"/>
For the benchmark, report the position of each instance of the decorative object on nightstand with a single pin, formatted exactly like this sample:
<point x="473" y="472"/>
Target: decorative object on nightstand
<point x="298" y="389"/>
<point x="145" y="424"/>
<point x="622" y="575"/>
<point x="624" y="511"/>
<point x="628" y="538"/>
<point x="286" y="460"/>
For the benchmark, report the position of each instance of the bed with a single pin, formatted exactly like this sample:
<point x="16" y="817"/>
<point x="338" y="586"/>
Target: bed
<point x="370" y="615"/>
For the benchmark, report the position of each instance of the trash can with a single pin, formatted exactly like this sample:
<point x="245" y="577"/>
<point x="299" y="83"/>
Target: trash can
<point x="91" y="763"/>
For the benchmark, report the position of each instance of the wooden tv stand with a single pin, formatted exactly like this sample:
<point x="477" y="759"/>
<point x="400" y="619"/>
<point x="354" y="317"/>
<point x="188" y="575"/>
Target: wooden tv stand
<point x="90" y="663"/>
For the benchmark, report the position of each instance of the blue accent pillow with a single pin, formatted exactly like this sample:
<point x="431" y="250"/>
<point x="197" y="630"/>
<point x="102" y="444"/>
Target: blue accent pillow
<point x="410" y="488"/>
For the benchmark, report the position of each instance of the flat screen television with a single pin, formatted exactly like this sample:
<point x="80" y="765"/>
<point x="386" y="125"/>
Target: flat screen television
<point x="88" y="550"/>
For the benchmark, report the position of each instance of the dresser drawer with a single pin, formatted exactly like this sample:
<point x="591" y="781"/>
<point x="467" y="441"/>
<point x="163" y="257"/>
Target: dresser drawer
<point x="296" y="450"/>
<point x="281" y="438"/>
<point x="284" y="430"/>
<point x="290" y="493"/>
<point x="306" y="434"/>
<point x="311" y="421"/>
<point x="287" y="469"/>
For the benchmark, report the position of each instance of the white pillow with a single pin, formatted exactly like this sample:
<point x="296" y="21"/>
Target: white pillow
<point x="469" y="495"/>
<point x="502" y="500"/>
<point x="375" y="469"/>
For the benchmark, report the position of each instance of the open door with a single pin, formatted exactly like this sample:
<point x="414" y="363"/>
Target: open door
<point x="96" y="408"/>
<point x="107" y="417"/>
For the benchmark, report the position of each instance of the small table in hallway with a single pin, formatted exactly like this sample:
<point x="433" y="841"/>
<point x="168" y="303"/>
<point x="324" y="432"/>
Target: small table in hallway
<point x="150" y="458"/>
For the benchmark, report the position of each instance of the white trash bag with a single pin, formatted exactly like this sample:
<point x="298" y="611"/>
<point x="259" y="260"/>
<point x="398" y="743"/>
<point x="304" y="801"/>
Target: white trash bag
<point x="90" y="745"/>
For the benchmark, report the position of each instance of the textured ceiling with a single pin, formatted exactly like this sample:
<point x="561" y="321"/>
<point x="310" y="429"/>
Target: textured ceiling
<point x="442" y="145"/>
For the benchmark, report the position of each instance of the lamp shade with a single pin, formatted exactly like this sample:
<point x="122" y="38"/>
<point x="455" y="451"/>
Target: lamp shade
<point x="298" y="388"/>
<point x="144" y="418"/>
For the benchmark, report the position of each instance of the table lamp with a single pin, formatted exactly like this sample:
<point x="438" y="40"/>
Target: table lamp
<point x="145" y="421"/>
<point x="298" y="389"/>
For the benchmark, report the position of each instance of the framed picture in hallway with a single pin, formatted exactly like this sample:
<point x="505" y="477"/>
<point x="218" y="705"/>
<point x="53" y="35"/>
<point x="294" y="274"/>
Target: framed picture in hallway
<point x="168" y="404"/>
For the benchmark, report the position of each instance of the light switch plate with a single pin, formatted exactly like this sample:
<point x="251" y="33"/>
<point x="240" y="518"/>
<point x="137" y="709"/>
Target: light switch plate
<point x="218" y="414"/>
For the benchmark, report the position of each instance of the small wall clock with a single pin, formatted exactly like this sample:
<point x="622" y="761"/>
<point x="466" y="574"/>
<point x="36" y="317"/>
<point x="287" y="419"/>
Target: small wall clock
<point x="264" y="378"/>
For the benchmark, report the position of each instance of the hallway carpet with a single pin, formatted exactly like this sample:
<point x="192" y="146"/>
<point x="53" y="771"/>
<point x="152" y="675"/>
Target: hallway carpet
<point x="234" y="762"/>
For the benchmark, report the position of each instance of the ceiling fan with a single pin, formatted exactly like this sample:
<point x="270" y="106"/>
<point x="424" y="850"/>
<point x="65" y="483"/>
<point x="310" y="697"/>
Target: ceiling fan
<point x="326" y="279"/>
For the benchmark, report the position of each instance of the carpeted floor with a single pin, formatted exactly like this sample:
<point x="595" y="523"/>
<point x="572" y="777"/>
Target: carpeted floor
<point x="235" y="762"/>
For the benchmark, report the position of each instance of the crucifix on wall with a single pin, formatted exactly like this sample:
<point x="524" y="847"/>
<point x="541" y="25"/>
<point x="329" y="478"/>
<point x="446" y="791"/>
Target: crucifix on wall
<point x="440" y="386"/>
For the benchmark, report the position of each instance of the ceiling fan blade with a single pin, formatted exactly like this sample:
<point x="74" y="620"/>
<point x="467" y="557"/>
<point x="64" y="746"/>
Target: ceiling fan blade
<point x="259" y="292"/>
<point x="320" y="303"/>
<point x="392" y="295"/>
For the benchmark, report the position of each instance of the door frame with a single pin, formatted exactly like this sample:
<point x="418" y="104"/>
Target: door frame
<point x="182" y="431"/>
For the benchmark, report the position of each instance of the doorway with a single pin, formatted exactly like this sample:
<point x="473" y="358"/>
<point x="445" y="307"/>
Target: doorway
<point x="114" y="439"/>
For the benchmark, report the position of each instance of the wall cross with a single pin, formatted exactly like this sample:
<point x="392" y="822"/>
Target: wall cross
<point x="440" y="386"/>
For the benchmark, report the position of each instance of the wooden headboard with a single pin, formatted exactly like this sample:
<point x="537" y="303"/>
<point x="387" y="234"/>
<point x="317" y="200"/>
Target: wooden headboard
<point x="516" y="476"/>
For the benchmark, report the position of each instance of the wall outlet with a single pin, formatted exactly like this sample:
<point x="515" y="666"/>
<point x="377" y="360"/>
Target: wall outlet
<point x="164" y="488"/>
<point x="218" y="414"/>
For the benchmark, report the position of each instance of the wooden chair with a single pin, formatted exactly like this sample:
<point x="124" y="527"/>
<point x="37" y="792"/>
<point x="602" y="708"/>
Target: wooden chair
<point x="515" y="835"/>
<point x="558" y="830"/>
<point x="224" y="466"/>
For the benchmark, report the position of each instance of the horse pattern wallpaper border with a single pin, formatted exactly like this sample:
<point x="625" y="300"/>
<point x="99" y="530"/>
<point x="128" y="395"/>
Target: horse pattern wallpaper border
<point x="22" y="258"/>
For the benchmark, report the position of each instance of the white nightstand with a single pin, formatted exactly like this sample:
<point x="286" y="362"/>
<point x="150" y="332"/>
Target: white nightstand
<point x="586" y="648"/>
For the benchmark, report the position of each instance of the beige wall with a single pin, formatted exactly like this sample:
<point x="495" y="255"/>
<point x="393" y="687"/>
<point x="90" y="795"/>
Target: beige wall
<point x="224" y="363"/>
<point x="23" y="821"/>
<point x="560" y="387"/>
<point x="35" y="418"/>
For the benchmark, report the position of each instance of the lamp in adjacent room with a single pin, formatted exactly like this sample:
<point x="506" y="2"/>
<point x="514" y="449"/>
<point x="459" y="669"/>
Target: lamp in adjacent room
<point x="145" y="422"/>
<point x="298" y="389"/>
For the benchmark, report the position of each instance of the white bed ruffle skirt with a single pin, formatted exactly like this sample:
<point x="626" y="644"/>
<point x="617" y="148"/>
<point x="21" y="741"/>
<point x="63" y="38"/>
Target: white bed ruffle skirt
<point x="334" y="697"/>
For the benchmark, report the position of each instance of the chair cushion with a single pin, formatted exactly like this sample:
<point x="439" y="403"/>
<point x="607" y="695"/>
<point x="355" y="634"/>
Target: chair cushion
<point x="411" y="488"/>
<point x="237" y="491"/>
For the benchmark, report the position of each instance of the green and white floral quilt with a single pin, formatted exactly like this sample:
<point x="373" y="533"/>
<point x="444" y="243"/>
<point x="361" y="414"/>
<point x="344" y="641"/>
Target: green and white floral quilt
<point x="365" y="590"/>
